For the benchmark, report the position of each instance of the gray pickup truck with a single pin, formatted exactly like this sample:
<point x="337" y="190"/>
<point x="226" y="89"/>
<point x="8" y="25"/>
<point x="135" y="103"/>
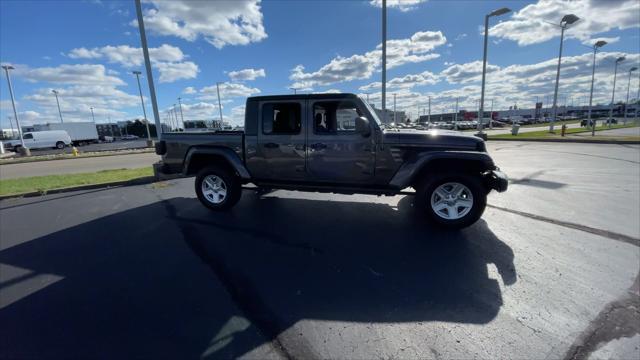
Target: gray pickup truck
<point x="335" y="143"/>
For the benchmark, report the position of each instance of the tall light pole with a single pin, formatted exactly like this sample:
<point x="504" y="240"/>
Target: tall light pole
<point x="498" y="12"/>
<point x="144" y="111"/>
<point x="595" y="47"/>
<point x="429" y="116"/>
<point x="491" y="116"/>
<point x="455" y="116"/>
<point x="384" y="61"/>
<point x="613" y="94"/>
<point x="11" y="124"/>
<point x="395" y="119"/>
<point x="92" y="116"/>
<point x="55" y="92"/>
<point x="13" y="103"/>
<point x="219" y="102"/>
<point x="181" y="114"/>
<point x="147" y="65"/>
<point x="295" y="90"/>
<point x="367" y="98"/>
<point x="626" y="103"/>
<point x="564" y="23"/>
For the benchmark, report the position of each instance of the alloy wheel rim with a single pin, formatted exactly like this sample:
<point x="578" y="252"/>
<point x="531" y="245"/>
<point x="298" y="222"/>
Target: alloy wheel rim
<point x="451" y="201"/>
<point x="214" y="189"/>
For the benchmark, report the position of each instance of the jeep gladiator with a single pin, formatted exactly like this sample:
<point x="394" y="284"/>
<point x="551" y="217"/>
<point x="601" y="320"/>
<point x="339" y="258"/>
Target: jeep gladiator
<point x="335" y="143"/>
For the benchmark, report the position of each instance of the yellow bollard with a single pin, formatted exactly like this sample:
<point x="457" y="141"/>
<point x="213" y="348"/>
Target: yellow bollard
<point x="74" y="151"/>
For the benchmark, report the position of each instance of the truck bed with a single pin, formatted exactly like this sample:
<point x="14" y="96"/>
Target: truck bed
<point x="179" y="143"/>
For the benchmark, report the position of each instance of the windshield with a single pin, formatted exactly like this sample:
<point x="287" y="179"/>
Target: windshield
<point x="373" y="114"/>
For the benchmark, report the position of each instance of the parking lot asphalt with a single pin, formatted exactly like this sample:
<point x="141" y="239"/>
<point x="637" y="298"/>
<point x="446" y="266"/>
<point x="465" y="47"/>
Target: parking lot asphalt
<point x="146" y="271"/>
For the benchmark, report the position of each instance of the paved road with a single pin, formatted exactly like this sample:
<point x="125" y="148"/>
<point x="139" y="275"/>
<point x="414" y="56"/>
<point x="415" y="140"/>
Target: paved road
<point x="146" y="271"/>
<point x="79" y="165"/>
<point x="634" y="131"/>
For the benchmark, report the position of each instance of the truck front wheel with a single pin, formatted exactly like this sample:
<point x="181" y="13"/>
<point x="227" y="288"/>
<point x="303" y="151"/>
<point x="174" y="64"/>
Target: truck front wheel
<point x="217" y="188"/>
<point x="452" y="200"/>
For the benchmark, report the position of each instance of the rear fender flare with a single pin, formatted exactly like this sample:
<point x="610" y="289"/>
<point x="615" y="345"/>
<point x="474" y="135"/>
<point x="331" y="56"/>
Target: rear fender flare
<point x="229" y="155"/>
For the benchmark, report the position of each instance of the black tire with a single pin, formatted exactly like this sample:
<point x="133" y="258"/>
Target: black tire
<point x="16" y="149"/>
<point x="231" y="183"/>
<point x="473" y="183"/>
<point x="60" y="145"/>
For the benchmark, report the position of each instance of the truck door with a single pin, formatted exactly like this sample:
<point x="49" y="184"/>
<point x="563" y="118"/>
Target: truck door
<point x="336" y="152"/>
<point x="280" y="151"/>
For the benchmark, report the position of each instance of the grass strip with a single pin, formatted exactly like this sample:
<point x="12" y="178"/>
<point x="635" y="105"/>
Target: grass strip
<point x="545" y="134"/>
<point x="51" y="182"/>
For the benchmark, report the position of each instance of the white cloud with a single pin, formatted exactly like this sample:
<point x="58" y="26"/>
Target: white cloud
<point x="79" y="74"/>
<point x="189" y="90"/>
<point x="246" y="74"/>
<point x="531" y="25"/>
<point x="609" y="40"/>
<point x="415" y="49"/>
<point x="460" y="37"/>
<point x="227" y="90"/>
<point x="220" y="23"/>
<point x="407" y="81"/>
<point x="402" y="5"/>
<point x="166" y="58"/>
<point x="463" y="73"/>
<point x="170" y="72"/>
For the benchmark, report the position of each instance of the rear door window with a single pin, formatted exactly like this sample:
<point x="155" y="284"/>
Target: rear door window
<point x="281" y="118"/>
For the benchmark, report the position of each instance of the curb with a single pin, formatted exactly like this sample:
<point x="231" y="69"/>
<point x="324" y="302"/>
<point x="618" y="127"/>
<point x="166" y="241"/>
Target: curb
<point x="23" y="161"/>
<point x="579" y="141"/>
<point x="137" y="181"/>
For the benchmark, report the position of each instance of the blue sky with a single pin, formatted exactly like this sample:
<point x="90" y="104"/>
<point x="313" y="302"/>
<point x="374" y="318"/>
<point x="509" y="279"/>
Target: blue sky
<point x="87" y="50"/>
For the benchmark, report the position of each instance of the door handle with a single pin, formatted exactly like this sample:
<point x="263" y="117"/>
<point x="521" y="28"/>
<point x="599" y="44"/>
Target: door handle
<point x="318" y="146"/>
<point x="271" y="145"/>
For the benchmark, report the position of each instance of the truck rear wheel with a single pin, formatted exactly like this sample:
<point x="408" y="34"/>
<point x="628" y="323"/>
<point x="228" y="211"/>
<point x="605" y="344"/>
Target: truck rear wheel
<point x="60" y="145"/>
<point x="217" y="188"/>
<point x="452" y="200"/>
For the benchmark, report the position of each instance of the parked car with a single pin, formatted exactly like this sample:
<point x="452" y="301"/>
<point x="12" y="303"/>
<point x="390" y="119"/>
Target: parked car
<point x="584" y="123"/>
<point x="296" y="142"/>
<point x="129" y="137"/>
<point x="105" y="138"/>
<point x="56" y="139"/>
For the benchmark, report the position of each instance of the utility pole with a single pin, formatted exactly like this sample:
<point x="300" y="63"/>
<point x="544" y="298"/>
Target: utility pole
<point x="144" y="111"/>
<point x="566" y="21"/>
<point x="219" y="102"/>
<point x="15" y="113"/>
<point x="147" y="63"/>
<point x="92" y="116"/>
<point x="384" y="61"/>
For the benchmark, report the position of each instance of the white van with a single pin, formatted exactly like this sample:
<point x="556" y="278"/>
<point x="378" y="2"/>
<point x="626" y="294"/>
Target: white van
<point x="42" y="139"/>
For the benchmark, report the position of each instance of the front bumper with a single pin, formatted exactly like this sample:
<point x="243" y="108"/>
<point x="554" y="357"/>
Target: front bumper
<point x="496" y="180"/>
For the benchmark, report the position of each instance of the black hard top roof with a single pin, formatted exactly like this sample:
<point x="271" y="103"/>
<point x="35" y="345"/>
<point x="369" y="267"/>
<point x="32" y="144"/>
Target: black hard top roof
<point x="303" y="97"/>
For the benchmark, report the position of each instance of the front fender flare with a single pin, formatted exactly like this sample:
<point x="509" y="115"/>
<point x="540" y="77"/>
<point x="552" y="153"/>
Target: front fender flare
<point x="229" y="155"/>
<point x="406" y="174"/>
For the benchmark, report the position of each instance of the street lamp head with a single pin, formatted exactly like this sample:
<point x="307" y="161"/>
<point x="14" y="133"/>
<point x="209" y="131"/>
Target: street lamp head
<point x="55" y="91"/>
<point x="135" y="72"/>
<point x="569" y="19"/>
<point x="8" y="67"/>
<point x="633" y="69"/>
<point x="620" y="59"/>
<point x="500" y="11"/>
<point x="600" y="43"/>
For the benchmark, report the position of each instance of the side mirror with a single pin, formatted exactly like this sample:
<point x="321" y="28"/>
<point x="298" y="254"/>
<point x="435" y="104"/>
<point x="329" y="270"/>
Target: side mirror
<point x="363" y="126"/>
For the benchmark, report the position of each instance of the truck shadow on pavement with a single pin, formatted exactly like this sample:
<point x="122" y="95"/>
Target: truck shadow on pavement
<point x="133" y="284"/>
